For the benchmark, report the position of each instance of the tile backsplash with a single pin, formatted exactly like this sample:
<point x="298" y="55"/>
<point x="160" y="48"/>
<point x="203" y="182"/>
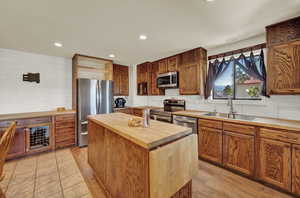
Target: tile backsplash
<point x="285" y="107"/>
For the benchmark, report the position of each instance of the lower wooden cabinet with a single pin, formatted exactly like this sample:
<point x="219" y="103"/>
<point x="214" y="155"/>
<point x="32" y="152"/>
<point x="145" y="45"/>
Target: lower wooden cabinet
<point x="210" y="144"/>
<point x="296" y="169"/>
<point x="18" y="145"/>
<point x="275" y="163"/>
<point x="64" y="131"/>
<point x="238" y="152"/>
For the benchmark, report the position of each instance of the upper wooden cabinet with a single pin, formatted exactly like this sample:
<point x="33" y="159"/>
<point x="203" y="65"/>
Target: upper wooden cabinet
<point x="192" y="72"/>
<point x="121" y="80"/>
<point x="153" y="76"/>
<point x="168" y="64"/>
<point x="143" y="78"/>
<point x="275" y="163"/>
<point x="283" y="41"/>
<point x="163" y="66"/>
<point x="191" y="67"/>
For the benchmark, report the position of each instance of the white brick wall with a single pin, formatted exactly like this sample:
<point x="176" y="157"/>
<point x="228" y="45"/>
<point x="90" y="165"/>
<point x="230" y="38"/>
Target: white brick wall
<point x="53" y="91"/>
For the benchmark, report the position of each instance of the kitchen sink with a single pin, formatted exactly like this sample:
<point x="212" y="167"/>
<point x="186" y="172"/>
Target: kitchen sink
<point x="231" y="116"/>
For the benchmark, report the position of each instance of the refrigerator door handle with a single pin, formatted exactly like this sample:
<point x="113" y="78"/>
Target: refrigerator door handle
<point x="99" y="97"/>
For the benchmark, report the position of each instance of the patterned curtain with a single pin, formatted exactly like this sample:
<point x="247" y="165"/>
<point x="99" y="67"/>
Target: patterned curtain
<point x="252" y="65"/>
<point x="214" y="71"/>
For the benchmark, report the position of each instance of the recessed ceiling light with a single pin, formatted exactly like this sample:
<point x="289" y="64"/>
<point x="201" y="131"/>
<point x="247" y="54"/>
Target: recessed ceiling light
<point x="209" y="0"/>
<point x="112" y="56"/>
<point x="56" y="44"/>
<point x="143" y="37"/>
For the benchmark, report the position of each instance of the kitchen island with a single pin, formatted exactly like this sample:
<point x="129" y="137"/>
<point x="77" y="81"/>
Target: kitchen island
<point x="134" y="162"/>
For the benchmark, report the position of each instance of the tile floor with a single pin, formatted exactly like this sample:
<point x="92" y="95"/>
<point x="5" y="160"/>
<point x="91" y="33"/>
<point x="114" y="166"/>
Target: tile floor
<point x="53" y="174"/>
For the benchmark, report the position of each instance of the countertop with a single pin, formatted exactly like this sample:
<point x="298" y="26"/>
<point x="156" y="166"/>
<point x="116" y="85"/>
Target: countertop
<point x="140" y="107"/>
<point x="16" y="116"/>
<point x="258" y="121"/>
<point x="157" y="134"/>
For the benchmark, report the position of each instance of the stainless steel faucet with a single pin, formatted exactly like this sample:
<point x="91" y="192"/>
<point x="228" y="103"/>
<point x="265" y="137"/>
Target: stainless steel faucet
<point x="230" y="103"/>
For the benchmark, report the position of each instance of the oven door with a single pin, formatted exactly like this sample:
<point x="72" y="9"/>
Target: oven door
<point x="162" y="118"/>
<point x="167" y="80"/>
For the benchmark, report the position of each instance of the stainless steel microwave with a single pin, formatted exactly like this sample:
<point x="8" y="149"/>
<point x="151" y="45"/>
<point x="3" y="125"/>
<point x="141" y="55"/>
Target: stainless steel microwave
<point x="167" y="80"/>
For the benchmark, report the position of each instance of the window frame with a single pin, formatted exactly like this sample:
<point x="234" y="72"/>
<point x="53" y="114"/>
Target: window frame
<point x="234" y="89"/>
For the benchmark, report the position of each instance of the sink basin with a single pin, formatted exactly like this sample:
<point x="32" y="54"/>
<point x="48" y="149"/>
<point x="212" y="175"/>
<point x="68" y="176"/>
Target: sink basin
<point x="231" y="116"/>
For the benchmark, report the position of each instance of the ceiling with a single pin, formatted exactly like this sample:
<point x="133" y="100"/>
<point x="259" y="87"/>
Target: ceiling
<point x="103" y="27"/>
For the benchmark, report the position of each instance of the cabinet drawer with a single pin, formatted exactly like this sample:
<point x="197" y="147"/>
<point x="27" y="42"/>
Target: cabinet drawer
<point x="64" y="137"/>
<point x="284" y="136"/>
<point x="63" y="118"/>
<point x="65" y="130"/>
<point x="210" y="123"/>
<point x="245" y="129"/>
<point x="66" y="143"/>
<point x="65" y="124"/>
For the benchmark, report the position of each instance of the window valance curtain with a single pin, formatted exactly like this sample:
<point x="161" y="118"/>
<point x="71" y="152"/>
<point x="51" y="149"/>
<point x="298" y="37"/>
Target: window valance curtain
<point x="252" y="65"/>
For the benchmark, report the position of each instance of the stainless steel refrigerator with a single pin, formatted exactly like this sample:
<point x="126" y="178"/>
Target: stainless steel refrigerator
<point x="94" y="97"/>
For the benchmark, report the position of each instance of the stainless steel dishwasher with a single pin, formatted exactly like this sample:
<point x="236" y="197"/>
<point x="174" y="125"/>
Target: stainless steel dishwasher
<point x="186" y="121"/>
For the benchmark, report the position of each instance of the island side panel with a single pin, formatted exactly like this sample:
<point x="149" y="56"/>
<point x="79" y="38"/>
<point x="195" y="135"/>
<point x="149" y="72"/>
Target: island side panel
<point x="97" y="150"/>
<point x="125" y="165"/>
<point x="172" y="168"/>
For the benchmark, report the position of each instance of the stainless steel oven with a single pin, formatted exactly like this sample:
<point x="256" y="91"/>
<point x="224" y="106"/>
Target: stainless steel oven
<point x="165" y="114"/>
<point x="167" y="80"/>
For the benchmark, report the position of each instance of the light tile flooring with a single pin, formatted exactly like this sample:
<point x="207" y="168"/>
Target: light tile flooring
<point x="53" y="174"/>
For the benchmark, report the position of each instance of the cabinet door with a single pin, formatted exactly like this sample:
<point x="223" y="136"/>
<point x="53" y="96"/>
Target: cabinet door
<point x="210" y="144"/>
<point x="163" y="66"/>
<point x="284" y="68"/>
<point x="189" y="79"/>
<point x="296" y="169"/>
<point x="153" y="80"/>
<point x="238" y="152"/>
<point x="275" y="163"/>
<point x="124" y="81"/>
<point x="17" y="147"/>
<point x="116" y="78"/>
<point x="172" y="64"/>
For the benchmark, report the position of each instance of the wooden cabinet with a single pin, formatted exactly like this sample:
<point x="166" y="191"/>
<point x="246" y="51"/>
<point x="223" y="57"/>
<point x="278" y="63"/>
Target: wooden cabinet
<point x="296" y="169"/>
<point x="121" y="80"/>
<point x="192" y="72"/>
<point x="64" y="131"/>
<point x="284" y="68"/>
<point x="18" y="146"/>
<point x="188" y="79"/>
<point x="238" y="152"/>
<point x="143" y="78"/>
<point x="163" y="66"/>
<point x="168" y="64"/>
<point x="210" y="144"/>
<point x="154" y="90"/>
<point x="283" y="41"/>
<point x="275" y="163"/>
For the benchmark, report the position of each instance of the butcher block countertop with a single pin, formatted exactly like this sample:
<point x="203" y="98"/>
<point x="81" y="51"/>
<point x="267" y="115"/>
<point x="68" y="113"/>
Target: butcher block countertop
<point x="258" y="121"/>
<point x="159" y="133"/>
<point x="17" y="116"/>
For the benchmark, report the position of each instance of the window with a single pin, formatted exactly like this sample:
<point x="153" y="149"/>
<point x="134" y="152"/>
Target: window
<point x="236" y="81"/>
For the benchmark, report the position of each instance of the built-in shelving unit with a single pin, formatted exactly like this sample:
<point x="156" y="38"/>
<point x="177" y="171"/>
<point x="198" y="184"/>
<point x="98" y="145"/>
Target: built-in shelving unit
<point x="89" y="67"/>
